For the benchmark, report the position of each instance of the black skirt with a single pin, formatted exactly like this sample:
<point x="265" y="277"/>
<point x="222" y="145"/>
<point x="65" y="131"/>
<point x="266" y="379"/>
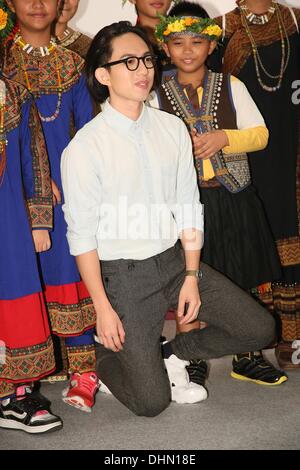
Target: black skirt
<point x="237" y="238"/>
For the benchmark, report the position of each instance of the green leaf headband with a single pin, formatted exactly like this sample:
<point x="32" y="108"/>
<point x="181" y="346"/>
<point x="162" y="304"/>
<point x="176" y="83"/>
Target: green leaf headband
<point x="168" y="26"/>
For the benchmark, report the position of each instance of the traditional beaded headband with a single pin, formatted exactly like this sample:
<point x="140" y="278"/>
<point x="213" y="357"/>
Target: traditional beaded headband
<point x="177" y="25"/>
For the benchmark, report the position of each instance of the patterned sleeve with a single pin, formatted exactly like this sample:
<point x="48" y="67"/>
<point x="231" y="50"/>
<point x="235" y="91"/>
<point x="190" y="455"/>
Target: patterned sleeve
<point x="36" y="172"/>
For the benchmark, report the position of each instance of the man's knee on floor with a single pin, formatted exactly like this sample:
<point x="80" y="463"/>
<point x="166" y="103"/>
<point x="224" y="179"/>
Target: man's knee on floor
<point x="153" y="407"/>
<point x="264" y="332"/>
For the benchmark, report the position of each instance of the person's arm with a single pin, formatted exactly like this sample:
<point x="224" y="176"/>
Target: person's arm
<point x="82" y="193"/>
<point x="36" y="176"/>
<point x="110" y="330"/>
<point x="252" y="134"/>
<point x="189" y="218"/>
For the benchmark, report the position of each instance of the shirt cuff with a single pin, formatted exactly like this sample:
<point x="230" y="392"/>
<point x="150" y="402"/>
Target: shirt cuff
<point x="81" y="246"/>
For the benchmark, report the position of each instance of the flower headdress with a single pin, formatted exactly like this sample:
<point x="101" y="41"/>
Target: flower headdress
<point x="8" y="26"/>
<point x="168" y="26"/>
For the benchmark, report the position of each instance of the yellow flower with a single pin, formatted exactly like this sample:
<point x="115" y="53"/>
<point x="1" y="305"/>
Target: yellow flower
<point x="3" y="19"/>
<point x="212" y="31"/>
<point x="189" y="21"/>
<point x="177" y="27"/>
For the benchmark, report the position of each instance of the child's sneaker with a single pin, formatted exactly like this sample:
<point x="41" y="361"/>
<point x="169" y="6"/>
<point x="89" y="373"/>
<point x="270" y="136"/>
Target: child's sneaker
<point x="81" y="391"/>
<point x="25" y="412"/>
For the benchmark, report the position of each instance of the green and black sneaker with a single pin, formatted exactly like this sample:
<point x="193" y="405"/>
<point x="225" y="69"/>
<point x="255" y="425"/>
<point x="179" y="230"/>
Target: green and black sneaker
<point x="254" y="368"/>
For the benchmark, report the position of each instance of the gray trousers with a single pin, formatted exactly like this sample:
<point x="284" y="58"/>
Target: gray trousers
<point x="141" y="292"/>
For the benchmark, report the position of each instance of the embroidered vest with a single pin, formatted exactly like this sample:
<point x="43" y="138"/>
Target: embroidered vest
<point x="216" y="112"/>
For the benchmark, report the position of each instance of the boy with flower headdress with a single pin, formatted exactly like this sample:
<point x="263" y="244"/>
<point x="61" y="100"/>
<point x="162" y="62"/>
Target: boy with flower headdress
<point x="224" y="124"/>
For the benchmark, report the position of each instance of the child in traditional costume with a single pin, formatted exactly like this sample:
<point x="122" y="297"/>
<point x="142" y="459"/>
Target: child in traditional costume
<point x="54" y="76"/>
<point x="224" y="124"/>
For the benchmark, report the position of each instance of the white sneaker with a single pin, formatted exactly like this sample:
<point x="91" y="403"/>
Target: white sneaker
<point x="103" y="388"/>
<point x="182" y="390"/>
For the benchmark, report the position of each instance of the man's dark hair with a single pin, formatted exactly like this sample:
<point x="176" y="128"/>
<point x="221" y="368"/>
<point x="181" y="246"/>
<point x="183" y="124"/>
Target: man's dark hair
<point x="100" y="53"/>
<point x="188" y="9"/>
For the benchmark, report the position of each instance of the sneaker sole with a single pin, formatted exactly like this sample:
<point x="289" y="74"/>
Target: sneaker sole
<point x="234" y="375"/>
<point x="77" y="402"/>
<point x="14" y="425"/>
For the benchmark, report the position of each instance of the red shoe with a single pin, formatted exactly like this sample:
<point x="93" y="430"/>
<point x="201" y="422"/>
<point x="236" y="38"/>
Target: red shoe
<point x="82" y="390"/>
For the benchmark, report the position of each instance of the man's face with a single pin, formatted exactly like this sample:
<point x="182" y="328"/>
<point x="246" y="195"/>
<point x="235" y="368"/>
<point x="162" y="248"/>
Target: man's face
<point x="150" y="8"/>
<point x="189" y="53"/>
<point x="69" y="9"/>
<point x="35" y="15"/>
<point x="125" y="85"/>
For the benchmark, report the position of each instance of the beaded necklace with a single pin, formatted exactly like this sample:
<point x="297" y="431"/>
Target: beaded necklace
<point x="3" y="141"/>
<point x="257" y="19"/>
<point x="40" y="52"/>
<point x="285" y="56"/>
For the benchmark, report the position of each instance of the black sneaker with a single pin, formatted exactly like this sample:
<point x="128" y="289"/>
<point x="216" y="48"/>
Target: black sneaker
<point x="197" y="371"/>
<point x="255" y="368"/>
<point x="26" y="413"/>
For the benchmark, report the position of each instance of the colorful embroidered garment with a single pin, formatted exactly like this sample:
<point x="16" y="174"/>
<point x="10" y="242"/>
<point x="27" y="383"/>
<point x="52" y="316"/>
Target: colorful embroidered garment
<point x="75" y="41"/>
<point x="275" y="171"/>
<point x="54" y="77"/>
<point x="26" y="351"/>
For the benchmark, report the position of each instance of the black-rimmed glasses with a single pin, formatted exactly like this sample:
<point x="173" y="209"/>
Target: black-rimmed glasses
<point x="132" y="63"/>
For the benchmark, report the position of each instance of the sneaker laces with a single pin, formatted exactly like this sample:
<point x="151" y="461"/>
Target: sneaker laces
<point x="29" y="403"/>
<point x="87" y="382"/>
<point x="197" y="370"/>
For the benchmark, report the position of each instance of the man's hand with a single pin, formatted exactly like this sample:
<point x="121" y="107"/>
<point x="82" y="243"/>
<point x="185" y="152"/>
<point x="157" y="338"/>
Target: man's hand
<point x="41" y="240"/>
<point x="208" y="144"/>
<point x="56" y="196"/>
<point x="189" y="294"/>
<point x="110" y="330"/>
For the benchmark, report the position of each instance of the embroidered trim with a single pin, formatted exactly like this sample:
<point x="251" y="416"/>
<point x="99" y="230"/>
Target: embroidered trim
<point x="71" y="320"/>
<point x="42" y="70"/>
<point x="40" y="205"/>
<point x="28" y="363"/>
<point x="232" y="170"/>
<point x="16" y="96"/>
<point x="81" y="358"/>
<point x="289" y="251"/>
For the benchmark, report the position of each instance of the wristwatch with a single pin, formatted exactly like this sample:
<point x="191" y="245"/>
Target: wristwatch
<point x="195" y="273"/>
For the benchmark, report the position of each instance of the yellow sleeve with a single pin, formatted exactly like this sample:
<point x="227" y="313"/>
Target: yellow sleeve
<point x="247" y="140"/>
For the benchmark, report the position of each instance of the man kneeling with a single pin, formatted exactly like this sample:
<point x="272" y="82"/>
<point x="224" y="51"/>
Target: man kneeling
<point x="132" y="202"/>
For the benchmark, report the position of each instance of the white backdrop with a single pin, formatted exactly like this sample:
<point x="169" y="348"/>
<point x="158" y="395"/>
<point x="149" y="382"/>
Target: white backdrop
<point x="94" y="14"/>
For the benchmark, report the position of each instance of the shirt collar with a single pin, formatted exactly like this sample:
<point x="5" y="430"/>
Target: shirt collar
<point x="121" y="122"/>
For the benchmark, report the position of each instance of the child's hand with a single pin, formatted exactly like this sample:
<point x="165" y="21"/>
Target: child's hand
<point x="208" y="144"/>
<point x="41" y="240"/>
<point x="56" y="196"/>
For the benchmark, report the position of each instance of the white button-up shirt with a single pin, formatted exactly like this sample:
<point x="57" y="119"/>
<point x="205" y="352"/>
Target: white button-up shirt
<point x="130" y="187"/>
